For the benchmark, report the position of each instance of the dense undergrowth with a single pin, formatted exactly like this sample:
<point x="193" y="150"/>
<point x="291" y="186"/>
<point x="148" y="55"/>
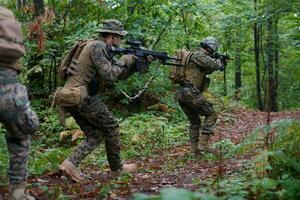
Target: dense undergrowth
<point x="272" y="173"/>
<point x="271" y="168"/>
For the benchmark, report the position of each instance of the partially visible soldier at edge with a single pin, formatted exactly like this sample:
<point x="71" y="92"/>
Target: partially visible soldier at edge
<point x="15" y="112"/>
<point x="190" y="98"/>
<point x="92" y="115"/>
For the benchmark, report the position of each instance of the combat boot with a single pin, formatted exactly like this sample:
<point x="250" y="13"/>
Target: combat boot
<point x="129" y="168"/>
<point x="70" y="170"/>
<point x="17" y="192"/>
<point x="203" y="144"/>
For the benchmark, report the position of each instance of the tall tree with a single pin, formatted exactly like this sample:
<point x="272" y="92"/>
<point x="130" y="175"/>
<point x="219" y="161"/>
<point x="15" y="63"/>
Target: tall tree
<point x="276" y="62"/>
<point x="270" y="104"/>
<point x="36" y="76"/>
<point x="256" y="33"/>
<point x="238" y="61"/>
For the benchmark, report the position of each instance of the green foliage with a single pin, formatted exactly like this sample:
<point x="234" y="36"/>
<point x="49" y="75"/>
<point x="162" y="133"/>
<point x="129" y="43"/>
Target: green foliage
<point x="46" y="160"/>
<point x="169" y="25"/>
<point x="48" y="132"/>
<point x="275" y="174"/>
<point x="277" y="167"/>
<point x="175" y="194"/>
<point x="3" y="155"/>
<point x="145" y="133"/>
<point x="166" y="26"/>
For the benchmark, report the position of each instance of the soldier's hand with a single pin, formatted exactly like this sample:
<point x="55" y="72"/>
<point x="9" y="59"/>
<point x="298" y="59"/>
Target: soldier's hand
<point x="150" y="58"/>
<point x="222" y="68"/>
<point x="128" y="60"/>
<point x="225" y="62"/>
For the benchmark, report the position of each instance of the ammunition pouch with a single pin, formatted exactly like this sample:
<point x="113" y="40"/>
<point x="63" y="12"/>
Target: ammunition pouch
<point x="70" y="96"/>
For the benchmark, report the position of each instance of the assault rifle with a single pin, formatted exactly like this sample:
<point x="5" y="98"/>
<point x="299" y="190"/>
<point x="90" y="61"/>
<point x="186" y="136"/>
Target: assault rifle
<point x="223" y="57"/>
<point x="224" y="60"/>
<point x="142" y="53"/>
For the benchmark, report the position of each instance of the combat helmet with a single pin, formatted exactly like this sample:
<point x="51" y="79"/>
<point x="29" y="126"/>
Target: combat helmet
<point x="112" y="26"/>
<point x="211" y="42"/>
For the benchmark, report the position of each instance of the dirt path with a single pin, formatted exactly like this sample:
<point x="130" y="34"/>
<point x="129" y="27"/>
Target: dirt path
<point x="175" y="167"/>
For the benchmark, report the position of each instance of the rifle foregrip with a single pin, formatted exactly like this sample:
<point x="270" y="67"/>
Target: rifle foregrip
<point x="140" y="65"/>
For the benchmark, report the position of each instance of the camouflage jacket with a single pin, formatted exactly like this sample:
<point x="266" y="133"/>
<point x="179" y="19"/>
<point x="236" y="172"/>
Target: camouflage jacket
<point x="200" y="64"/>
<point x="95" y="61"/>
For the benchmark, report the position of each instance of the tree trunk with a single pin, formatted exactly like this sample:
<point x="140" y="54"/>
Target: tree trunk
<point x="238" y="79"/>
<point x="19" y="4"/>
<point x="256" y="31"/>
<point x="36" y="80"/>
<point x="238" y="63"/>
<point x="50" y="79"/>
<point x="39" y="8"/>
<point x="271" y="90"/>
<point x="183" y="21"/>
<point x="228" y="43"/>
<point x="276" y="52"/>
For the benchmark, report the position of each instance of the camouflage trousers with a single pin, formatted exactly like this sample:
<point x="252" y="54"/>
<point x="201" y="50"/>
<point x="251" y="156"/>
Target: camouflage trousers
<point x="98" y="124"/>
<point x="19" y="120"/>
<point x="195" y="105"/>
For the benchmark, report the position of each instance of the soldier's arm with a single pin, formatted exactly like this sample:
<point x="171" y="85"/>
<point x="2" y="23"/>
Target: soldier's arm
<point x="205" y="62"/>
<point x="128" y="62"/>
<point x="107" y="70"/>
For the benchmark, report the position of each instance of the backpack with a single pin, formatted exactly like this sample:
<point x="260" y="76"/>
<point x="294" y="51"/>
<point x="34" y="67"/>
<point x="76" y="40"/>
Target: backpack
<point x="11" y="40"/>
<point x="177" y="74"/>
<point x="69" y="62"/>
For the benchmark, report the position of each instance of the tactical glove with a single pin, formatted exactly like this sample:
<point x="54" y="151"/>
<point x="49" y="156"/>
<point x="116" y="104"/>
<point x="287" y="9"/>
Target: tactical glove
<point x="225" y="62"/>
<point x="128" y="60"/>
<point x="220" y="65"/>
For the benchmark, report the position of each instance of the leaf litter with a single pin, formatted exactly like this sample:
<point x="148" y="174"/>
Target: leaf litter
<point x="173" y="168"/>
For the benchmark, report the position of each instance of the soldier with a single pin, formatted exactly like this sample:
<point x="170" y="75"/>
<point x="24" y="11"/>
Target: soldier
<point x="15" y="112"/>
<point x="95" y="64"/>
<point x="189" y="94"/>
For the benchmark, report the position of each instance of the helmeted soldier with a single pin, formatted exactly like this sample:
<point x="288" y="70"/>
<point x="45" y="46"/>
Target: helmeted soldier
<point x="15" y="112"/>
<point x="95" y="64"/>
<point x="189" y="94"/>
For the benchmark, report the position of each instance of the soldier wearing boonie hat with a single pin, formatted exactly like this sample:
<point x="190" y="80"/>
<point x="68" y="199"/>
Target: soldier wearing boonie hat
<point x="95" y="65"/>
<point x="112" y="26"/>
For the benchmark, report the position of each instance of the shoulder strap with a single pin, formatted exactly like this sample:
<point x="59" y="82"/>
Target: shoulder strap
<point x="79" y="49"/>
<point x="185" y="56"/>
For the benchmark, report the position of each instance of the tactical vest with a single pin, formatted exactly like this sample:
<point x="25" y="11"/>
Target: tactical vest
<point x="177" y="73"/>
<point x="77" y="85"/>
<point x="189" y="71"/>
<point x="85" y="69"/>
<point x="68" y="64"/>
<point x="194" y="75"/>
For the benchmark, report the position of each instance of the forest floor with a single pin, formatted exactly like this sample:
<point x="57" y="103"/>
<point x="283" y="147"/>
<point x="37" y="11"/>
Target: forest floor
<point x="170" y="167"/>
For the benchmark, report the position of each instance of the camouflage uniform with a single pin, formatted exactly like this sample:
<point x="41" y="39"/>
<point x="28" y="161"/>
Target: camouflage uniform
<point x="15" y="112"/>
<point x="189" y="94"/>
<point x="19" y="120"/>
<point x="92" y="115"/>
